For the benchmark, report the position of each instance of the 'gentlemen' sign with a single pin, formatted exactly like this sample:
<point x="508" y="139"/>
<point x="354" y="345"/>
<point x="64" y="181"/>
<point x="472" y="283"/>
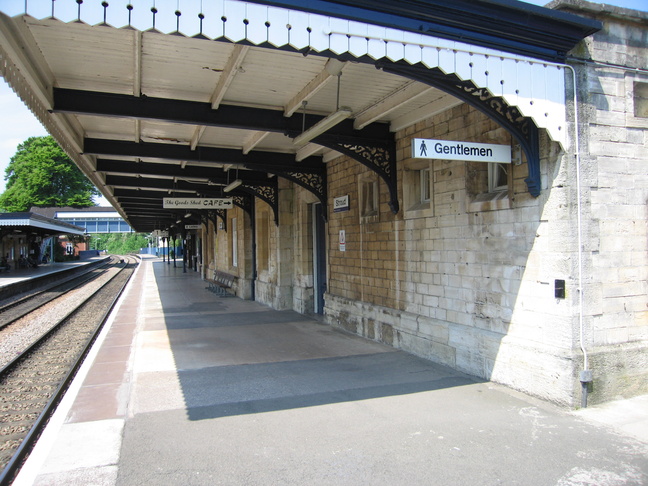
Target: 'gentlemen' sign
<point x="197" y="203"/>
<point x="423" y="148"/>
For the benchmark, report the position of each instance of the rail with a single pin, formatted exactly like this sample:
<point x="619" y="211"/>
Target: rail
<point x="66" y="327"/>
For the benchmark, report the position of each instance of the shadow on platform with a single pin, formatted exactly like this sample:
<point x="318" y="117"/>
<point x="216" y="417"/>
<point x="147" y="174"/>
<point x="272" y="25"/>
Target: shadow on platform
<point x="237" y="357"/>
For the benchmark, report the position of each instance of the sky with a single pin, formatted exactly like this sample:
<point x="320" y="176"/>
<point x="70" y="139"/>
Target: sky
<point x="17" y="123"/>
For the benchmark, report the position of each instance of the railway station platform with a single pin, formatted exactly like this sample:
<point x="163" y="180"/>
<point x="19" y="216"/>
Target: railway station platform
<point x="18" y="275"/>
<point x="184" y="387"/>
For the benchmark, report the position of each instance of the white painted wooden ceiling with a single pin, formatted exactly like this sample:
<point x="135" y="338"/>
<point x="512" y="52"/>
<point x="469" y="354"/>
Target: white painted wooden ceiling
<point x="124" y="61"/>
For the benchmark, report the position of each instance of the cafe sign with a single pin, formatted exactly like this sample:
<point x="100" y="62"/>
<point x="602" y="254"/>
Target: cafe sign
<point x="197" y="203"/>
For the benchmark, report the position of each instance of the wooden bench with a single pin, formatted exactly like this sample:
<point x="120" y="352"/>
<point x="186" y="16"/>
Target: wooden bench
<point x="221" y="283"/>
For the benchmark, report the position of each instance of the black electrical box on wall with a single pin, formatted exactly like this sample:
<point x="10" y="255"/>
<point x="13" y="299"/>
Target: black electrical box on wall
<point x="559" y="289"/>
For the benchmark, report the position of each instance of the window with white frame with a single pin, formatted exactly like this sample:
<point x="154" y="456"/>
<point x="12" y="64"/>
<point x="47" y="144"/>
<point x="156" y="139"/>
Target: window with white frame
<point x="488" y="186"/>
<point x="234" y="243"/>
<point x="497" y="177"/>
<point x="263" y="241"/>
<point x="368" y="199"/>
<point x="424" y="185"/>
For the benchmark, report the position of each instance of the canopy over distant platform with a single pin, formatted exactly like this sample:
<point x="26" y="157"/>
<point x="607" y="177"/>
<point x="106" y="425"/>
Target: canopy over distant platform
<point x="31" y="223"/>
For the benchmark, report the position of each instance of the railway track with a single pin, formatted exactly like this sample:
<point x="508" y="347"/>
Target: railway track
<point x="32" y="383"/>
<point x="12" y="310"/>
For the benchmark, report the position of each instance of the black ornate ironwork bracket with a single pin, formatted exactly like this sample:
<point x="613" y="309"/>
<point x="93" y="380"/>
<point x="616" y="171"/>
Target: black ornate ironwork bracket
<point x="213" y="216"/>
<point x="222" y="214"/>
<point x="310" y="177"/>
<point x="268" y="193"/>
<point x="313" y="180"/>
<point x="205" y="218"/>
<point x="522" y="128"/>
<point x="381" y="158"/>
<point x="244" y="202"/>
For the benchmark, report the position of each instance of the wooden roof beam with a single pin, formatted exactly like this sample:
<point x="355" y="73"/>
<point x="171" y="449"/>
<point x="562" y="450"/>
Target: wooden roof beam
<point x="332" y="69"/>
<point x="405" y="94"/>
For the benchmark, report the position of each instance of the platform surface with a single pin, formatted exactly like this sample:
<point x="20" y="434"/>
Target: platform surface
<point x="188" y="388"/>
<point x="16" y="275"/>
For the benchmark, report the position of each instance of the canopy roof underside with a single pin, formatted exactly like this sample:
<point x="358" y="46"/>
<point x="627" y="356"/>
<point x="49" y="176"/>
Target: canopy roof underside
<point x="27" y="222"/>
<point x="146" y="114"/>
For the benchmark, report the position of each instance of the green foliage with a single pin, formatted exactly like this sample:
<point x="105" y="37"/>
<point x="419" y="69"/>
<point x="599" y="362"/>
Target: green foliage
<point x="41" y="174"/>
<point x="59" y="253"/>
<point x="119" y="243"/>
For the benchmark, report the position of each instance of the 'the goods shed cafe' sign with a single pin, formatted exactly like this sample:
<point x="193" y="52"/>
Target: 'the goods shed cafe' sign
<point x="197" y="203"/>
<point x="423" y="148"/>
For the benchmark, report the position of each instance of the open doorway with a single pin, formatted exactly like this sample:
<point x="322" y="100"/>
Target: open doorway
<point x="319" y="258"/>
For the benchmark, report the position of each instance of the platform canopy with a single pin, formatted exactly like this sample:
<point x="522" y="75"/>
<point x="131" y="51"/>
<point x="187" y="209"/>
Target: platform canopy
<point x="183" y="98"/>
<point x="25" y="223"/>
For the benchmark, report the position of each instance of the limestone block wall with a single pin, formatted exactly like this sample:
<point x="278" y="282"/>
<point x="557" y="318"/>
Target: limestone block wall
<point x="468" y="279"/>
<point x="301" y="252"/>
<point x="275" y="251"/>
<point x="613" y="83"/>
<point x="465" y="280"/>
<point x="219" y="253"/>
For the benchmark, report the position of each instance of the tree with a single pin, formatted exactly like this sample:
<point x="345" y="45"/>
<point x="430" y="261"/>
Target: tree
<point x="123" y="243"/>
<point x="41" y="174"/>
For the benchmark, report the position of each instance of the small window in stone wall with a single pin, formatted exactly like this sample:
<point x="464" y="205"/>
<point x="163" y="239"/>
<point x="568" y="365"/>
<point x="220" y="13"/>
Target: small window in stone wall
<point x="497" y="177"/>
<point x="263" y="241"/>
<point x="417" y="188"/>
<point x="487" y="186"/>
<point x="424" y="185"/>
<point x="368" y="200"/>
<point x="641" y="100"/>
<point x="234" y="242"/>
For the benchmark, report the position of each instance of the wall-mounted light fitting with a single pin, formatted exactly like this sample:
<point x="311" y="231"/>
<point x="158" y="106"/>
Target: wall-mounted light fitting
<point x="232" y="185"/>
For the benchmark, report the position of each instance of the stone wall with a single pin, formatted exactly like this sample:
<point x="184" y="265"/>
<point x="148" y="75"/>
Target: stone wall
<point x="467" y="279"/>
<point x="218" y="250"/>
<point x="302" y="251"/>
<point x="613" y="79"/>
<point x="275" y="250"/>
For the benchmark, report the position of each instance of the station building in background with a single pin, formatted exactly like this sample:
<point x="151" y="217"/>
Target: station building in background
<point x="97" y="219"/>
<point x="27" y="237"/>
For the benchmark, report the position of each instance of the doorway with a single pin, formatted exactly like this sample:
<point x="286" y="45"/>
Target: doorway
<point x="319" y="258"/>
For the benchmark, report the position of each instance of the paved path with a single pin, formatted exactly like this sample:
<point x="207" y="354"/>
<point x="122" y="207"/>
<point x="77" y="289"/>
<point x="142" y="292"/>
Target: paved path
<point x="194" y="389"/>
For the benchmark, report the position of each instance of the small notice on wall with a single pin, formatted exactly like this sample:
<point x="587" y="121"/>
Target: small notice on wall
<point x="342" y="240"/>
<point x="341" y="204"/>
